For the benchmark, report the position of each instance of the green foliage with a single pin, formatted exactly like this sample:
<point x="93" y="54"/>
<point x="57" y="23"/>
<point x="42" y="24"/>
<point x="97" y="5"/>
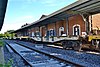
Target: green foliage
<point x="1" y="35"/>
<point x="8" y="64"/>
<point x="10" y="31"/>
<point x="7" y="34"/>
<point x="1" y="43"/>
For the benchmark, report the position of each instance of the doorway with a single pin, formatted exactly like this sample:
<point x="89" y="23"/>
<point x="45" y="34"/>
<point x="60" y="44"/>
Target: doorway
<point x="76" y="30"/>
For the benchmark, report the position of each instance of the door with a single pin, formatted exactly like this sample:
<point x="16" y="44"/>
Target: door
<point x="61" y="31"/>
<point x="76" y="30"/>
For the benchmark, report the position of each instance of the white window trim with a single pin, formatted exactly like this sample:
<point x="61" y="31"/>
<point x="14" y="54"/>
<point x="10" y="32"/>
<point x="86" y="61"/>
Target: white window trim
<point x="79" y="28"/>
<point x="51" y="29"/>
<point x="60" y="30"/>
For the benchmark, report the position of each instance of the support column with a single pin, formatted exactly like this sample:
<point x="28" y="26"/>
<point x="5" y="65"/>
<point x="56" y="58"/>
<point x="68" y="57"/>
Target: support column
<point x="87" y="23"/>
<point x="47" y="37"/>
<point x="91" y="24"/>
<point x="55" y="29"/>
<point x="39" y="31"/>
<point x="40" y="28"/>
<point x="42" y="31"/>
<point x="67" y="21"/>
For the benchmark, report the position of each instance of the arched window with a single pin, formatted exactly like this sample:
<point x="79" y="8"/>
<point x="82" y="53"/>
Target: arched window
<point x="61" y="31"/>
<point x="76" y="29"/>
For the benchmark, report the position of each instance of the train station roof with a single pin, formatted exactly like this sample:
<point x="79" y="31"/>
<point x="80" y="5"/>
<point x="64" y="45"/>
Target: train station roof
<point x="3" y="5"/>
<point x="89" y="7"/>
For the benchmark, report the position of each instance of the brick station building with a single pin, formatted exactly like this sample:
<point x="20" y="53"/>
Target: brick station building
<point x="61" y="22"/>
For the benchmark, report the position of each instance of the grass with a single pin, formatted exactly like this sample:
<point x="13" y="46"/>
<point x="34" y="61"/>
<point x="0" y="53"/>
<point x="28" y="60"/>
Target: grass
<point x="1" y="43"/>
<point x="8" y="64"/>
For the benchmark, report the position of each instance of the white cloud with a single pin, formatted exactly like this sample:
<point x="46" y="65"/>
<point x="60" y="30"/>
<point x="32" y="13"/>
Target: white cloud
<point x="23" y="0"/>
<point x="53" y="2"/>
<point x="45" y="2"/>
<point x="49" y="2"/>
<point x="30" y="1"/>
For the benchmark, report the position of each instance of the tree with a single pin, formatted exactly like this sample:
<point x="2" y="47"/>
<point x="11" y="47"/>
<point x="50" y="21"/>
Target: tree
<point x="9" y="34"/>
<point x="1" y="35"/>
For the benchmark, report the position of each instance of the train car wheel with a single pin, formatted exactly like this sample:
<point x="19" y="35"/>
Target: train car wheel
<point x="64" y="44"/>
<point x="77" y="46"/>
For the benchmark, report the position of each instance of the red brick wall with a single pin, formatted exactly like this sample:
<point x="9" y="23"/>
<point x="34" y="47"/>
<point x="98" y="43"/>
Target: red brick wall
<point x="96" y="21"/>
<point x="43" y="30"/>
<point x="32" y="30"/>
<point x="56" y="25"/>
<point x="72" y="21"/>
<point x="18" y="34"/>
<point x="60" y="24"/>
<point x="51" y="26"/>
<point x="77" y="19"/>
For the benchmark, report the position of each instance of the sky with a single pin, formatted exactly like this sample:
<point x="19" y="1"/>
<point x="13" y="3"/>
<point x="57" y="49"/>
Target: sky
<point x="20" y="12"/>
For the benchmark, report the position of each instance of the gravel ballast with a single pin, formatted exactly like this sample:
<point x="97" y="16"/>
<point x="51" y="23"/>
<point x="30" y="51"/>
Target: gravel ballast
<point x="17" y="61"/>
<point x="88" y="60"/>
<point x="36" y="59"/>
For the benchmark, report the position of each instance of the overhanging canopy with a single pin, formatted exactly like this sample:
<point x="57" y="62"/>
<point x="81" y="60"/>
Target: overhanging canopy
<point x="3" y="5"/>
<point x="89" y="7"/>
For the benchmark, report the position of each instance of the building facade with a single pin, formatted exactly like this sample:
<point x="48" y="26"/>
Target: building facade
<point x="74" y="25"/>
<point x="73" y="20"/>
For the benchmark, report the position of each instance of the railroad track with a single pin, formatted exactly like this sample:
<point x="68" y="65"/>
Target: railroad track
<point x="88" y="51"/>
<point x="12" y="49"/>
<point x="81" y="58"/>
<point x="58" y="59"/>
<point x="39" y="59"/>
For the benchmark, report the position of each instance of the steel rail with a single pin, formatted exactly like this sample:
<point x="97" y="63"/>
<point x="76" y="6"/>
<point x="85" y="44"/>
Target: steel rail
<point x="58" y="58"/>
<point x="19" y="54"/>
